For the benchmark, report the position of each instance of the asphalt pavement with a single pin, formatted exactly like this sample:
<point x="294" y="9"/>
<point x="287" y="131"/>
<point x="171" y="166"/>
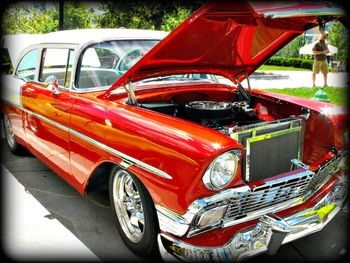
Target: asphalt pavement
<point x="277" y="79"/>
<point x="46" y="219"/>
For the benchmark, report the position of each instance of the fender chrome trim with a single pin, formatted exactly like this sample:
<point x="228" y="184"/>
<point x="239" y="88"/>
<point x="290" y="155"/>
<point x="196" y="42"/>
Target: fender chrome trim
<point x="126" y="159"/>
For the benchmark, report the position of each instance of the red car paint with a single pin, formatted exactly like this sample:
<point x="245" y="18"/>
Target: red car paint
<point x="180" y="148"/>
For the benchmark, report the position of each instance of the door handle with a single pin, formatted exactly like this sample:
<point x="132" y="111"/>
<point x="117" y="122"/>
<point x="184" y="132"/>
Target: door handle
<point x="29" y="90"/>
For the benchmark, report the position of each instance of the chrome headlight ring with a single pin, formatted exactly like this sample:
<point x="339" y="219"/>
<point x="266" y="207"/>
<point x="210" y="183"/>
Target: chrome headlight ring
<point x="222" y="170"/>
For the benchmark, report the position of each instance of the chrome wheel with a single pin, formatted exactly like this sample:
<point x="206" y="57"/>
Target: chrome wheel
<point x="128" y="206"/>
<point x="10" y="136"/>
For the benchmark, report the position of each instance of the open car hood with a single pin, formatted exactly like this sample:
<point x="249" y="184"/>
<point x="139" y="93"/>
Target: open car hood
<point x="230" y="39"/>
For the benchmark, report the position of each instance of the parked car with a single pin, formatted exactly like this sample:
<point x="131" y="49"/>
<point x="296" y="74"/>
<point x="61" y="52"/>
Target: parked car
<point x="196" y="169"/>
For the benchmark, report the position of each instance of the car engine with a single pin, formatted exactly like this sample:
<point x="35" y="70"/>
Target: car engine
<point x="219" y="115"/>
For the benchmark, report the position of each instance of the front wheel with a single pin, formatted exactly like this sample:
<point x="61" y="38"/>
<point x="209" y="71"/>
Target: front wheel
<point x="134" y="211"/>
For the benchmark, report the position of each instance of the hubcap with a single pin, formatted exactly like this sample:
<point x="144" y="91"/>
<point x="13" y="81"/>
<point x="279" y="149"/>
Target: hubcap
<point x="10" y="136"/>
<point x="128" y="206"/>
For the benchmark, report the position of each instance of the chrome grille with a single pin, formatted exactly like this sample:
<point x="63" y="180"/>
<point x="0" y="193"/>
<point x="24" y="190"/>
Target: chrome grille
<point x="284" y="192"/>
<point x="322" y="175"/>
<point x="268" y="195"/>
<point x="249" y="202"/>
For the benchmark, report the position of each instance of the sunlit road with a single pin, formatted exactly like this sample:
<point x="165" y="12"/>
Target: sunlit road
<point x="46" y="219"/>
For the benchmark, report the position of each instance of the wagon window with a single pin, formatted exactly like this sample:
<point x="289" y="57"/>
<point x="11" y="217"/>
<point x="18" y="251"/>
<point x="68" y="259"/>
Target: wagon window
<point x="57" y="62"/>
<point x="27" y="66"/>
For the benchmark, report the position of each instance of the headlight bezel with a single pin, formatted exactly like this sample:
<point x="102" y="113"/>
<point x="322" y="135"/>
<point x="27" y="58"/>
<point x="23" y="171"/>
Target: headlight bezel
<point x="207" y="178"/>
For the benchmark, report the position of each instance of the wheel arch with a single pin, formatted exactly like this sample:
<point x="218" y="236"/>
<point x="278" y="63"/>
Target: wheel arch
<point x="99" y="177"/>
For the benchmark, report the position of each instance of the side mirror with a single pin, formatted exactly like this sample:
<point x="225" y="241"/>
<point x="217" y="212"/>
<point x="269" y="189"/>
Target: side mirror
<point x="53" y="84"/>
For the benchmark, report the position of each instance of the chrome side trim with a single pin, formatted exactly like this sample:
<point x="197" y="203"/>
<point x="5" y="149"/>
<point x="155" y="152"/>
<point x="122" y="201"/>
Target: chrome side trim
<point x="124" y="156"/>
<point x="51" y="122"/>
<point x="127" y="160"/>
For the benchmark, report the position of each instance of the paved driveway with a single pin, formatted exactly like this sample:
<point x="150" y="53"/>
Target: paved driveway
<point x="44" y="218"/>
<point x="294" y="79"/>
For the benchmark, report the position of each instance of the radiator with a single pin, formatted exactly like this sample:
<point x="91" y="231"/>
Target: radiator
<point x="270" y="147"/>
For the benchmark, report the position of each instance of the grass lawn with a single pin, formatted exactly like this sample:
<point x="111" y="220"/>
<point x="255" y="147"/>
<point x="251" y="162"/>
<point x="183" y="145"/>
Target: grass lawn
<point x="335" y="95"/>
<point x="271" y="67"/>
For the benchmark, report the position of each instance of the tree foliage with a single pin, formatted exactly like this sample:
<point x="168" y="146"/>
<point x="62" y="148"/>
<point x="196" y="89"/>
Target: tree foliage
<point x="173" y="19"/>
<point x="338" y="37"/>
<point x="23" y="18"/>
<point x="78" y="15"/>
<point x="157" y="14"/>
<point x="165" y="15"/>
<point x="291" y="50"/>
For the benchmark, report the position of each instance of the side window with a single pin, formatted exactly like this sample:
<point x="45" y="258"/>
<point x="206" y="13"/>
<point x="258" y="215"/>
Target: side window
<point x="26" y="68"/>
<point x="57" y="62"/>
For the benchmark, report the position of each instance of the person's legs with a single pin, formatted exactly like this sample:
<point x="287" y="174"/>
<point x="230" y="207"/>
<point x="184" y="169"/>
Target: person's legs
<point x="313" y="79"/>
<point x="324" y="70"/>
<point x="315" y="70"/>
<point x="325" y="79"/>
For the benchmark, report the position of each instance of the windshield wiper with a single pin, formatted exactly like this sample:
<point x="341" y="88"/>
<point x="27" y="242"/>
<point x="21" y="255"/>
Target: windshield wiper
<point x="175" y="78"/>
<point x="154" y="79"/>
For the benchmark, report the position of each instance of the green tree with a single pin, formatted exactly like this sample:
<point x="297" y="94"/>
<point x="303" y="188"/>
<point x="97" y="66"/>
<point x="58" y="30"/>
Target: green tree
<point x="20" y="19"/>
<point x="164" y="15"/>
<point x="172" y="20"/>
<point x="339" y="37"/>
<point x="291" y="50"/>
<point x="23" y="18"/>
<point x="78" y="15"/>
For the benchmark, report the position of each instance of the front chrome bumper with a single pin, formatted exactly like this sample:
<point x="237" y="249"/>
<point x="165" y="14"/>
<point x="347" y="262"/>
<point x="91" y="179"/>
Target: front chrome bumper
<point x="267" y="235"/>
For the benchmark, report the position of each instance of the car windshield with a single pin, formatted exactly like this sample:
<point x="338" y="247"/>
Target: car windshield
<point x="103" y="63"/>
<point x="180" y="78"/>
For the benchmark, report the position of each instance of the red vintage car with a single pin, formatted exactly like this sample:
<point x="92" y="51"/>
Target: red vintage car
<point x="196" y="168"/>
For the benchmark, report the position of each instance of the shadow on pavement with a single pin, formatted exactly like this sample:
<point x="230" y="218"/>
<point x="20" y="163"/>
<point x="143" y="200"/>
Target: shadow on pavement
<point x="91" y="221"/>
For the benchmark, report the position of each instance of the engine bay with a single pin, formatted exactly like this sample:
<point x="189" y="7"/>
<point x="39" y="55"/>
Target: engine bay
<point x="218" y="115"/>
<point x="249" y="123"/>
<point x="225" y="109"/>
<point x="223" y="115"/>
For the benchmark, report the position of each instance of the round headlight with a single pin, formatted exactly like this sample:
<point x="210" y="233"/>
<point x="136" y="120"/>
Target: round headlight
<point x="221" y="171"/>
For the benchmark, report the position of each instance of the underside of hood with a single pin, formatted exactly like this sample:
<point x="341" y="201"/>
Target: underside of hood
<point x="230" y="39"/>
